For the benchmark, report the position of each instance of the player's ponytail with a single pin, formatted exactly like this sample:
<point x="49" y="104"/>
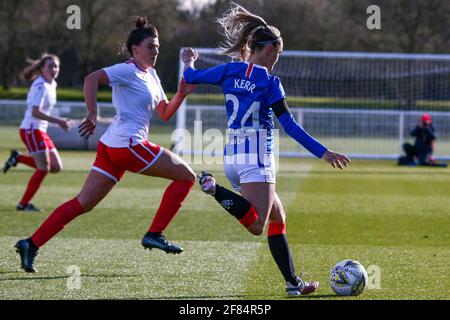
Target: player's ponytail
<point x="34" y="66"/>
<point x="142" y="31"/>
<point x="244" y="31"/>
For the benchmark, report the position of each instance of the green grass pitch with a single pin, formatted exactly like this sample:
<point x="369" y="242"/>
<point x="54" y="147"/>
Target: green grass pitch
<point x="397" y="219"/>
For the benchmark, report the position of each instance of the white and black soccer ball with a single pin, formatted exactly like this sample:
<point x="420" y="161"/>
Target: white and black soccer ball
<point x="348" y="278"/>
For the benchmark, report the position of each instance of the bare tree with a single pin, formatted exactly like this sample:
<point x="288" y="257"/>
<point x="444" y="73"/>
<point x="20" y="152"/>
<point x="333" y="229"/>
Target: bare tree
<point x="13" y="38"/>
<point x="30" y="27"/>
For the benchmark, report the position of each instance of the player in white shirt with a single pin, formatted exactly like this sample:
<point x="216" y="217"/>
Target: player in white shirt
<point x="43" y="155"/>
<point x="137" y="93"/>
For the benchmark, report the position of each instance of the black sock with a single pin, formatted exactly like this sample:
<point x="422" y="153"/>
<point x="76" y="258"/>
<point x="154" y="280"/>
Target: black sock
<point x="281" y="254"/>
<point x="235" y="204"/>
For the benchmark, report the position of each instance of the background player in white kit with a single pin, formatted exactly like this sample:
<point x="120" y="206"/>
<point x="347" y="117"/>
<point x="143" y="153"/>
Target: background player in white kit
<point x="41" y="99"/>
<point x="137" y="93"/>
<point x="252" y="96"/>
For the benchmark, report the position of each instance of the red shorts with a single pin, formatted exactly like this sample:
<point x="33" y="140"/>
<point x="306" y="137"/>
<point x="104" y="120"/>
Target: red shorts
<point x="113" y="162"/>
<point x="37" y="141"/>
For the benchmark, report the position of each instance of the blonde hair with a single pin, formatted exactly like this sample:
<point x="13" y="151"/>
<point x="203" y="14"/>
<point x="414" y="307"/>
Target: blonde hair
<point x="34" y="66"/>
<point x="244" y="31"/>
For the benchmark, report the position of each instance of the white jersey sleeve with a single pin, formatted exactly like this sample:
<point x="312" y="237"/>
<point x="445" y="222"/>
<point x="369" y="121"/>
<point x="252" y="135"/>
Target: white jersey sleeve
<point x="119" y="73"/>
<point x="36" y="96"/>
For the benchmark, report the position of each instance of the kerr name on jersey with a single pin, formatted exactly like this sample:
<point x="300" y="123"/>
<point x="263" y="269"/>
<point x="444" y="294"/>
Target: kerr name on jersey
<point x="244" y="84"/>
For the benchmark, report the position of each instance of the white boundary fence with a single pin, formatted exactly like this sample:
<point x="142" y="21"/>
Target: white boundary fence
<point x="392" y="143"/>
<point x="370" y="133"/>
<point x="12" y="112"/>
<point x="401" y="122"/>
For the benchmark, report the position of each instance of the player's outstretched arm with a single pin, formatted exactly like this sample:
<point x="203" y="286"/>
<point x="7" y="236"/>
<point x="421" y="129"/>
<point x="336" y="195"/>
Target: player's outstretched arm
<point x="295" y="131"/>
<point x="213" y="75"/>
<point x="167" y="109"/>
<point x="63" y="123"/>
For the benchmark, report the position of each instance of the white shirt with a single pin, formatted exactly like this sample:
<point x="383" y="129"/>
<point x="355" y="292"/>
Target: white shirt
<point x="41" y="95"/>
<point x="136" y="93"/>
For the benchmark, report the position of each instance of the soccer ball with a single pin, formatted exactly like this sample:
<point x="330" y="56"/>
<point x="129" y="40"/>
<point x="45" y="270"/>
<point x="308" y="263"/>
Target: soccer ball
<point x="348" y="278"/>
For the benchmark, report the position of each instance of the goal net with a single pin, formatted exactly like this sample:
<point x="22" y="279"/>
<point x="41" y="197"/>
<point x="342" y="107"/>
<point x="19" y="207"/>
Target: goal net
<point x="361" y="104"/>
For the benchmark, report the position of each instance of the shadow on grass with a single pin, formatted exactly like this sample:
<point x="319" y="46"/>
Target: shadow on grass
<point x="363" y="172"/>
<point x="31" y="276"/>
<point x="233" y="296"/>
<point x="248" y="296"/>
<point x="9" y="272"/>
<point x="315" y="296"/>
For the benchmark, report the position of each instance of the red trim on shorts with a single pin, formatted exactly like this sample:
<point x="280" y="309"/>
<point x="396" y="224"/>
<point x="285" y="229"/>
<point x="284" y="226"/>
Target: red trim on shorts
<point x="36" y="140"/>
<point x="113" y="162"/>
<point x="276" y="228"/>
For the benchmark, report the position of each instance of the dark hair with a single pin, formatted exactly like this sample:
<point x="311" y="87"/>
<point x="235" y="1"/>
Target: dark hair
<point x="34" y="66"/>
<point x="244" y="30"/>
<point x="142" y="31"/>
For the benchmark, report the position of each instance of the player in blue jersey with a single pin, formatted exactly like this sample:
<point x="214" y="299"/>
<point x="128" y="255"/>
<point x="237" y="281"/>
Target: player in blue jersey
<point x="252" y="96"/>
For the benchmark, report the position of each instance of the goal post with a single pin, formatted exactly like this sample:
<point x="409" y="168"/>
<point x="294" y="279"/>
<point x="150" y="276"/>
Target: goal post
<point x="361" y="104"/>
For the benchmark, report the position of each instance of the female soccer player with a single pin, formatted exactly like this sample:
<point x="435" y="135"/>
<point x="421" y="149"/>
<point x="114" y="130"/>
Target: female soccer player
<point x="252" y="94"/>
<point x="43" y="155"/>
<point x="137" y="92"/>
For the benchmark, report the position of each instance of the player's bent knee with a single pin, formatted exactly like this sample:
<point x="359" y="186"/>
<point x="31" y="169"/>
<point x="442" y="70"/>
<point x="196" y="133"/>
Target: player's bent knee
<point x="256" y="229"/>
<point x="44" y="169"/>
<point x="189" y="175"/>
<point x="87" y="208"/>
<point x="55" y="169"/>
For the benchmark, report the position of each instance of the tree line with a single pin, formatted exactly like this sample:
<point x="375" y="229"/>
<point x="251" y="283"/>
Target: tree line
<point x="31" y="27"/>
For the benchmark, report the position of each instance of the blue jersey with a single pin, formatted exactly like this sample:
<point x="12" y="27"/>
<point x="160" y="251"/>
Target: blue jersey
<point x="249" y="91"/>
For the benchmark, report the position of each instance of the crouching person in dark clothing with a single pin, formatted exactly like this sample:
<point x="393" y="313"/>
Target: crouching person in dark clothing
<point x="421" y="153"/>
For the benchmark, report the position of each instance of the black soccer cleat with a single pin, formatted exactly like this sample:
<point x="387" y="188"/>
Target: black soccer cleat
<point x="207" y="183"/>
<point x="29" y="207"/>
<point x="27" y="254"/>
<point x="11" y="162"/>
<point x="158" y="240"/>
